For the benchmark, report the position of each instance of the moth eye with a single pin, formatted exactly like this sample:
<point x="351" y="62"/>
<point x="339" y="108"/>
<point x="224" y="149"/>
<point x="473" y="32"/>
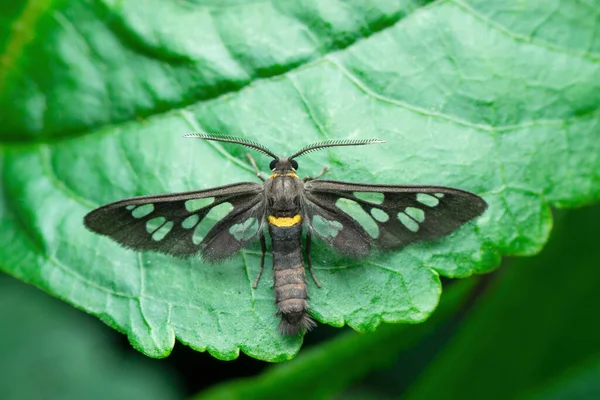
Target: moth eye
<point x="294" y="164"/>
<point x="273" y="164"/>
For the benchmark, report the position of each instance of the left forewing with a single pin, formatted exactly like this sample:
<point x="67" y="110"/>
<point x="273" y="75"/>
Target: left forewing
<point x="214" y="223"/>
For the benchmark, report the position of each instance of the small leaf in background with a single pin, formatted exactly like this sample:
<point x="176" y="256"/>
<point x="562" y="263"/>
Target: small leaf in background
<point x="580" y="383"/>
<point x="50" y="351"/>
<point x="487" y="96"/>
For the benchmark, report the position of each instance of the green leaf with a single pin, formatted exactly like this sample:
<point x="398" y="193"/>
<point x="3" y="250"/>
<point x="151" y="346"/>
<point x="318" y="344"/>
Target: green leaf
<point x="486" y="96"/>
<point x="536" y="326"/>
<point x="50" y="351"/>
<point x="581" y="384"/>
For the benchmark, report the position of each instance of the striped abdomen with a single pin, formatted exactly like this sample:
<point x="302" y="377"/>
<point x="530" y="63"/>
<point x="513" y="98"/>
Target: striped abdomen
<point x="291" y="294"/>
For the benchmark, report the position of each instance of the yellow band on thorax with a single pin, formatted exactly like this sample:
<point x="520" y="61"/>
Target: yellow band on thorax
<point x="284" y="222"/>
<point x="293" y="175"/>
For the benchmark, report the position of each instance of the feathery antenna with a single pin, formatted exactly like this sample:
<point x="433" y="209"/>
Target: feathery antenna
<point x="232" y="139"/>
<point x="334" y="143"/>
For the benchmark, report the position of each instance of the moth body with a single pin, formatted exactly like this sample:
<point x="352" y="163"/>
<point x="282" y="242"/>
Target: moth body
<point x="283" y="191"/>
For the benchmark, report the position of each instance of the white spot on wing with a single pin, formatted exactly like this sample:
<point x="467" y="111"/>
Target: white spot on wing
<point x="196" y="204"/>
<point x="190" y="221"/>
<point x="427" y="199"/>
<point x="325" y="227"/>
<point x="245" y="230"/>
<point x="408" y="222"/>
<point x="142" y="211"/>
<point x="214" y="215"/>
<point x="154" y="223"/>
<point x="162" y="231"/>
<point x="415" y="213"/>
<point x="379" y="215"/>
<point x="354" y="209"/>
<point x="371" y="197"/>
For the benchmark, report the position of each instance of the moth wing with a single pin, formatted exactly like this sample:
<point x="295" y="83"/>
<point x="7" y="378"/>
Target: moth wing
<point x="334" y="226"/>
<point x="387" y="216"/>
<point x="214" y="223"/>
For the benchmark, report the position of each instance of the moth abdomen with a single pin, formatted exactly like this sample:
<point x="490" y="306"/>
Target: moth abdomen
<point x="291" y="297"/>
<point x="291" y="293"/>
<point x="293" y="323"/>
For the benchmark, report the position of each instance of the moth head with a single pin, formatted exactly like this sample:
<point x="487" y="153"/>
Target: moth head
<point x="283" y="165"/>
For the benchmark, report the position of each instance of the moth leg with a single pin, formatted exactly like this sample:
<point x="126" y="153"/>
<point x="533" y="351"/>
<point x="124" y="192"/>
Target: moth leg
<point x="320" y="174"/>
<point x="263" y="247"/>
<point x="253" y="163"/>
<point x="309" y="261"/>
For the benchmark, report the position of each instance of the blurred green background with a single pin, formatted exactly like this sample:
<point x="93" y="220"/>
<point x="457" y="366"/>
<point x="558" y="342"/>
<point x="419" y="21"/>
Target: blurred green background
<point x="91" y="90"/>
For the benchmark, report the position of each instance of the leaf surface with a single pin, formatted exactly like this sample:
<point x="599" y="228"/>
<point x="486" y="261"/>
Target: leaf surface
<point x="95" y="96"/>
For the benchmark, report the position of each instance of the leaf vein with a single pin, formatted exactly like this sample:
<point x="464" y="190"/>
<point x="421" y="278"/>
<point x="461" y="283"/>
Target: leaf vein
<point x="308" y="108"/>
<point x="595" y="113"/>
<point x="522" y="38"/>
<point x="59" y="184"/>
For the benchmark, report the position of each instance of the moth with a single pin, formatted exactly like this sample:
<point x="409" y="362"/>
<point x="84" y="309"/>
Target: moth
<point x="352" y="218"/>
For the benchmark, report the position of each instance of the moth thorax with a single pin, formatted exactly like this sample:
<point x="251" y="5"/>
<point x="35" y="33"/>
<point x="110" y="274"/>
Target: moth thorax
<point x="284" y="196"/>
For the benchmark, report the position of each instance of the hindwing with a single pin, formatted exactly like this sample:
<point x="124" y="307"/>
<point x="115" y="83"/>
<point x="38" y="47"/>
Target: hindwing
<point x="214" y="223"/>
<point x="352" y="216"/>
